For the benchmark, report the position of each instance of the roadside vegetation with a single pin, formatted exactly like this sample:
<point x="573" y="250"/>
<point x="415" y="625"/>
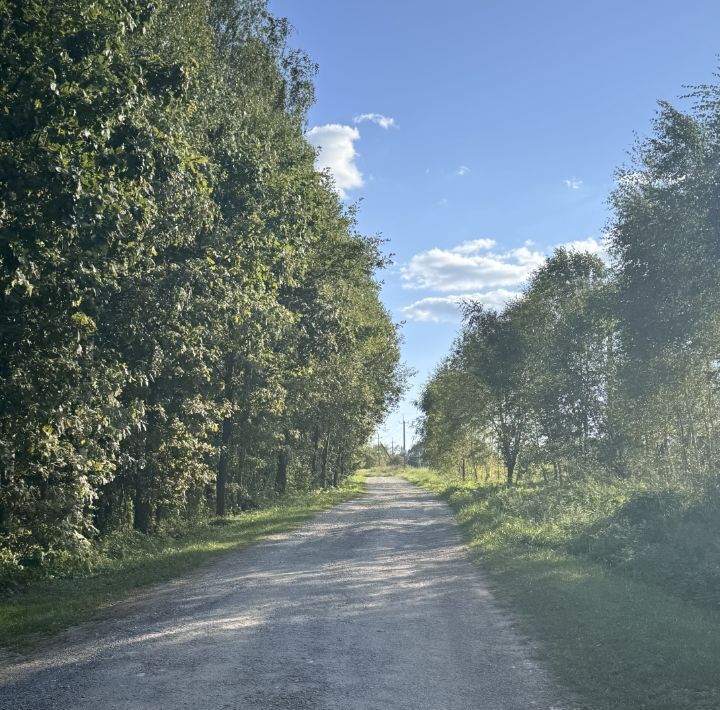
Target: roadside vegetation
<point x="190" y="324"/>
<point x="603" y="370"/>
<point x="621" y="624"/>
<point x="576" y="431"/>
<point x="126" y="561"/>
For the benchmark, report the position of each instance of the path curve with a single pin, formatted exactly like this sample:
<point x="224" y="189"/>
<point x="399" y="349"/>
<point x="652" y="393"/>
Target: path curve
<point x="374" y="605"/>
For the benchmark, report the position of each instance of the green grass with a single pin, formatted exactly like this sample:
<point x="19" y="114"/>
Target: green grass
<point x="381" y="471"/>
<point x="46" y="607"/>
<point x="620" y="636"/>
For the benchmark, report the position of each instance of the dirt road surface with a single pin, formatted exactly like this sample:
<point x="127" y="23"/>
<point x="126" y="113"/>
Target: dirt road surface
<point x="375" y="605"/>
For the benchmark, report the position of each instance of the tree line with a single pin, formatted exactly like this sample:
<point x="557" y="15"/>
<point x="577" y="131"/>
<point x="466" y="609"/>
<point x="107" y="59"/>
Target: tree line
<point x="189" y="319"/>
<point x="603" y="366"/>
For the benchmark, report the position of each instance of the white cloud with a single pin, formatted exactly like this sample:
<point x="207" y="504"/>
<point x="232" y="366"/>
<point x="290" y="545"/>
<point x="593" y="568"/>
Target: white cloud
<point x="594" y="246"/>
<point x="474" y="246"/>
<point x="462" y="170"/>
<point x="446" y="309"/>
<point x="478" y="272"/>
<point x="471" y="266"/>
<point x="336" y="152"/>
<point x="376" y="118"/>
<point x="573" y="184"/>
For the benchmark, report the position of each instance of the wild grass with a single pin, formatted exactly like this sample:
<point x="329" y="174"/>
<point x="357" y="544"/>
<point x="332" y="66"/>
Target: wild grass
<point x="616" y="580"/>
<point x="127" y="562"/>
<point x="381" y="471"/>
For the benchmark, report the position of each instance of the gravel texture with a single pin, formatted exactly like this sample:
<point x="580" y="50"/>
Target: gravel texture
<point x="373" y="605"/>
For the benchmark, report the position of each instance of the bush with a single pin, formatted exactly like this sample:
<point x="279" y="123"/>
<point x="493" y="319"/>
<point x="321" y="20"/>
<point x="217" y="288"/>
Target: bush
<point x="667" y="537"/>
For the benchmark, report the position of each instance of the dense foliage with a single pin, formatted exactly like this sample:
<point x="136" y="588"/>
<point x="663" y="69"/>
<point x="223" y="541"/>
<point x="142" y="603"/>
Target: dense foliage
<point x="603" y="371"/>
<point x="189" y="320"/>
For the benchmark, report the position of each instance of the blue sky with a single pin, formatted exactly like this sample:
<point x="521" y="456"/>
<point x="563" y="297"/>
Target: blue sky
<point x="480" y="134"/>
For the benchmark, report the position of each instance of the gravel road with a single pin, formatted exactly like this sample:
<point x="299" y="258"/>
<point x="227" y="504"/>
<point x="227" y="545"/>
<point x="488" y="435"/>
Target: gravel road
<point x="375" y="605"/>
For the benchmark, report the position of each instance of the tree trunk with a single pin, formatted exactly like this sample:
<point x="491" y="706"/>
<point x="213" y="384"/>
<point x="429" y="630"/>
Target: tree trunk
<point x="336" y="471"/>
<point x="142" y="512"/>
<point x="5" y="521"/>
<point x="509" y="455"/>
<point x="281" y="475"/>
<point x="145" y="477"/>
<point x="326" y="453"/>
<point x="224" y="458"/>
<point x="241" y="465"/>
<point x="223" y="466"/>
<point x="314" y="460"/>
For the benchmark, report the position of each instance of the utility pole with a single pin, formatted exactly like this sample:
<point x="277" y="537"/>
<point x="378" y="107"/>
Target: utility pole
<point x="404" y="449"/>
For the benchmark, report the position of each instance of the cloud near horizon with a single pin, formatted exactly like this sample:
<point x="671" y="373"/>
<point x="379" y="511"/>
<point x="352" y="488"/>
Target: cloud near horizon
<point x="336" y="152"/>
<point x="590" y="244"/>
<point x="471" y="266"/>
<point x="475" y="271"/>
<point x="446" y="309"/>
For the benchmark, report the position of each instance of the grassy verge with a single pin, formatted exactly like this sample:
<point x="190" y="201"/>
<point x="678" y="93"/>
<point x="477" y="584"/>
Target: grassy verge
<point x="381" y="471"/>
<point x="616" y="637"/>
<point x="49" y="606"/>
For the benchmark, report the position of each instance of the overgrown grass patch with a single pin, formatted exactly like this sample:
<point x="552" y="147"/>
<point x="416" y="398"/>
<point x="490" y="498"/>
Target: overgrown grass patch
<point x="381" y="471"/>
<point x="130" y="562"/>
<point x="623" y="634"/>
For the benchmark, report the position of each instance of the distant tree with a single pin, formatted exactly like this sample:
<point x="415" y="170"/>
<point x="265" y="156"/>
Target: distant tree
<point x="491" y="351"/>
<point x="566" y="323"/>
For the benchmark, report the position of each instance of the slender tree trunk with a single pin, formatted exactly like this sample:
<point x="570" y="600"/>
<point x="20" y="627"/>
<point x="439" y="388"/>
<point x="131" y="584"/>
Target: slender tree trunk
<point x="241" y="466"/>
<point x="142" y="512"/>
<point x="223" y="467"/>
<point x="510" y="472"/>
<point x="281" y="474"/>
<point x="145" y="478"/>
<point x="224" y="457"/>
<point x="509" y="455"/>
<point x="5" y="519"/>
<point x="336" y="470"/>
<point x="314" y="459"/>
<point x="326" y="453"/>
